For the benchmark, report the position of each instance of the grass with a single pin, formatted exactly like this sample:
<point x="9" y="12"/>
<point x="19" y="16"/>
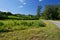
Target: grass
<point x="20" y="24"/>
<point x="50" y="32"/>
<point x="58" y="20"/>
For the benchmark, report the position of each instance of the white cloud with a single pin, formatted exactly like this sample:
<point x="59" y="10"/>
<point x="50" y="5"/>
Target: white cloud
<point x="4" y="10"/>
<point x="40" y="0"/>
<point x="22" y="1"/>
<point x="21" y="6"/>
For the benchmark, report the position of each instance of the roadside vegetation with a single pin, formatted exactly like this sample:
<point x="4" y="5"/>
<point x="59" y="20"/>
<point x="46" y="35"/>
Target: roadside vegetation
<point x="12" y="30"/>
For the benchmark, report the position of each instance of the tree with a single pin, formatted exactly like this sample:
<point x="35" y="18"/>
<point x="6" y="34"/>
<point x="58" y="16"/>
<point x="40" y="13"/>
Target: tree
<point x="46" y="13"/>
<point x="58" y="13"/>
<point x="3" y="15"/>
<point x="8" y="13"/>
<point x="51" y="12"/>
<point x="38" y="11"/>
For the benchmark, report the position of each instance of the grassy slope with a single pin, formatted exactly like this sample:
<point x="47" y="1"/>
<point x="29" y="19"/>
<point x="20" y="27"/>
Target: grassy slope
<point x="50" y="32"/>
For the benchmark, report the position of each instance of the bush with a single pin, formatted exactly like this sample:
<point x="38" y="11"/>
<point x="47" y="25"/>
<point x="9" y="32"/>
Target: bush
<point x="39" y="24"/>
<point x="15" y="23"/>
<point x="42" y="24"/>
<point x="1" y="24"/>
<point x="30" y="24"/>
<point x="24" y="23"/>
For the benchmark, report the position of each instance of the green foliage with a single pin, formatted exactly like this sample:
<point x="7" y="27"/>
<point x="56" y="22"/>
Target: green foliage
<point x="58" y="13"/>
<point x="9" y="13"/>
<point x="38" y="24"/>
<point x="24" y="23"/>
<point x="3" y="15"/>
<point x="30" y="23"/>
<point x="1" y="23"/>
<point x="51" y="12"/>
<point x="42" y="24"/>
<point x="10" y="25"/>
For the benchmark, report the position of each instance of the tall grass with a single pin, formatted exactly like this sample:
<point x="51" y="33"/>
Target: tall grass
<point x="20" y="24"/>
<point x="1" y="24"/>
<point x="28" y="30"/>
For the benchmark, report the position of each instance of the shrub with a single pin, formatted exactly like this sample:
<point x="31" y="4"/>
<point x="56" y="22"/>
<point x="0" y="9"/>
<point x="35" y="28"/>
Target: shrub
<point x="30" y="24"/>
<point x="42" y="24"/>
<point x="39" y="24"/>
<point x="1" y="24"/>
<point x="24" y="23"/>
<point x="16" y="23"/>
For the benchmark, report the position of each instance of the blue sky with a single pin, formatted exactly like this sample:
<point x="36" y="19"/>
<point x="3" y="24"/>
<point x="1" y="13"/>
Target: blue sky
<point x="24" y="6"/>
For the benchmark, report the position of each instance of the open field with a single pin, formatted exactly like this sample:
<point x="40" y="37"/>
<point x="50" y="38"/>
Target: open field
<point x="15" y="30"/>
<point x="30" y="20"/>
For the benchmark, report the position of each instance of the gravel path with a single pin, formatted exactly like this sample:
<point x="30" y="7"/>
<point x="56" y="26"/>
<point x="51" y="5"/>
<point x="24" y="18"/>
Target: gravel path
<point x="57" y="23"/>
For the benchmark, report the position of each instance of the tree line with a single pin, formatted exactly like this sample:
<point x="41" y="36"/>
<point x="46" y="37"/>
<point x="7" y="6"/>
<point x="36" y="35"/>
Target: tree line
<point x="9" y="15"/>
<point x="51" y="12"/>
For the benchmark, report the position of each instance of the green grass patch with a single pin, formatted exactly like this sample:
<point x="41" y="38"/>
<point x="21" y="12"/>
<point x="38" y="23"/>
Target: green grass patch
<point x="24" y="32"/>
<point x="20" y="24"/>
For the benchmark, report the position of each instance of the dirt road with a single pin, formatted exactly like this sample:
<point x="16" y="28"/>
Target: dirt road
<point x="57" y="23"/>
